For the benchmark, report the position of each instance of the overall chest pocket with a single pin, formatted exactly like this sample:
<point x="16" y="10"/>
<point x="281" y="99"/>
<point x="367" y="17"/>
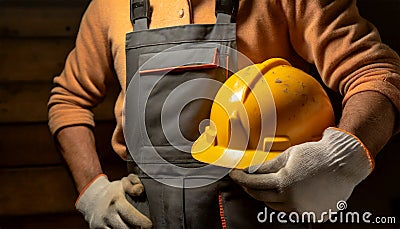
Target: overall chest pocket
<point x="177" y="87"/>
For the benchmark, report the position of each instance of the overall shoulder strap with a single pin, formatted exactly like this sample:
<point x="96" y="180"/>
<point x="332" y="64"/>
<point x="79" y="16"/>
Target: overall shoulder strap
<point x="226" y="10"/>
<point x="140" y="14"/>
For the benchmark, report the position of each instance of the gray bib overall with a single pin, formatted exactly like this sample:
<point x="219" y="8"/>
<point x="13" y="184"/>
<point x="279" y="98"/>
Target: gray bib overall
<point x="173" y="74"/>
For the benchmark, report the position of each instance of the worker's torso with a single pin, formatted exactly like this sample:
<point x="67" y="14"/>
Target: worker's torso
<point x="172" y="76"/>
<point x="262" y="33"/>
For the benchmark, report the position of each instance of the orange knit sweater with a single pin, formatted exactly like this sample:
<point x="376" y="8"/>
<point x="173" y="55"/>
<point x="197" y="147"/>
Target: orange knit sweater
<point x="345" y="48"/>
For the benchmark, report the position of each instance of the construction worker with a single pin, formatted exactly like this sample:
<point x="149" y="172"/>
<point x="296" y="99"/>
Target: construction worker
<point x="115" y="40"/>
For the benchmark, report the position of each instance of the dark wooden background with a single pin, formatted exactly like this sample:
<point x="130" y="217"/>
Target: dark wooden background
<point x="36" y="190"/>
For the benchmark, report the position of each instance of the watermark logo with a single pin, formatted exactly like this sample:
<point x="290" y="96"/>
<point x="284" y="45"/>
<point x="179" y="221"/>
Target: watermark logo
<point x="341" y="205"/>
<point x="333" y="216"/>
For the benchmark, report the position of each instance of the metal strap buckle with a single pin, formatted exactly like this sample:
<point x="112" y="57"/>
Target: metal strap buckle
<point x="140" y="9"/>
<point x="229" y="7"/>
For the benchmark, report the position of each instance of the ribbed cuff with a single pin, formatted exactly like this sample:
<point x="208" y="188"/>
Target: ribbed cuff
<point x="88" y="185"/>
<point x="367" y="153"/>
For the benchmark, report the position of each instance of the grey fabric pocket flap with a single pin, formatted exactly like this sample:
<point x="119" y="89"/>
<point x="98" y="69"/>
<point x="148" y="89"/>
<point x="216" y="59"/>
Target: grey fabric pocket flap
<point x="179" y="60"/>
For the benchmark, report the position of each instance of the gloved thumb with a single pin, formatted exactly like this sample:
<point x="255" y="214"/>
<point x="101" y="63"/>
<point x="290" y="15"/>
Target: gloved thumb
<point x="271" y="166"/>
<point x="132" y="185"/>
<point x="132" y="216"/>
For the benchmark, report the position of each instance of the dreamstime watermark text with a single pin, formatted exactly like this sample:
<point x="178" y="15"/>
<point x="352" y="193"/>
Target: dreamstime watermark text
<point x="333" y="216"/>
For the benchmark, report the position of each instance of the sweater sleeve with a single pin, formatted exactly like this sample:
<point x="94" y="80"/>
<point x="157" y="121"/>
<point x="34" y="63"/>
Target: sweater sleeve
<point x="82" y="83"/>
<point x="346" y="49"/>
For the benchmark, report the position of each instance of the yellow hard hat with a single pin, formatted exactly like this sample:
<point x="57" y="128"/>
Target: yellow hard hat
<point x="271" y="95"/>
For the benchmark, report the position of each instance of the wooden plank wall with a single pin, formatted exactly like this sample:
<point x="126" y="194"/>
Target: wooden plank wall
<point x="35" y="38"/>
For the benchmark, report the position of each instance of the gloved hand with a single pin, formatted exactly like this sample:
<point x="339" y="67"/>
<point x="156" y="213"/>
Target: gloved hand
<point x="104" y="205"/>
<point x="310" y="177"/>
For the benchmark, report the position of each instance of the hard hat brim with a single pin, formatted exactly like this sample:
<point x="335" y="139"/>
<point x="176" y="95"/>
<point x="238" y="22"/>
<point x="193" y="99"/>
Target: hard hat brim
<point x="205" y="150"/>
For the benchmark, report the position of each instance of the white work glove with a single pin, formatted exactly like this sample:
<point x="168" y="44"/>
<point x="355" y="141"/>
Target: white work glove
<point x="104" y="205"/>
<point x="310" y="177"/>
